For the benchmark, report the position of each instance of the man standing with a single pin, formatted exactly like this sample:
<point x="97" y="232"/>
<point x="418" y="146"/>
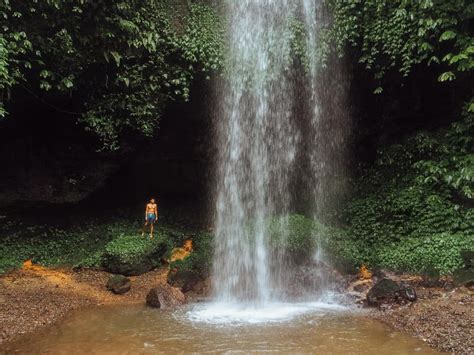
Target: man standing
<point x="151" y="215"/>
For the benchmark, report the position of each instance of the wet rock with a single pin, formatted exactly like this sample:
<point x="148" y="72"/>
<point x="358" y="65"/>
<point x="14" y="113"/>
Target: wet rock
<point x="185" y="280"/>
<point x="408" y="293"/>
<point x="200" y="290"/>
<point x="388" y="291"/>
<point x="312" y="279"/>
<point x="165" y="296"/>
<point x="468" y="258"/>
<point x="384" y="291"/>
<point x="358" y="290"/>
<point x="119" y="284"/>
<point x="464" y="277"/>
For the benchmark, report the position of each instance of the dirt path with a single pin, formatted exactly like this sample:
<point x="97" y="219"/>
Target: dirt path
<point x="35" y="296"/>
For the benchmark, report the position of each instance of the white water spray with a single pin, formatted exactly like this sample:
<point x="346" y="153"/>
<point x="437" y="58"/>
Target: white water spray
<point x="269" y="128"/>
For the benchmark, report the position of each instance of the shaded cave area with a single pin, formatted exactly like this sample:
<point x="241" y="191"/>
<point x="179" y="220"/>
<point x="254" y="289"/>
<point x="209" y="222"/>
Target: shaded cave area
<point x="48" y="160"/>
<point x="53" y="166"/>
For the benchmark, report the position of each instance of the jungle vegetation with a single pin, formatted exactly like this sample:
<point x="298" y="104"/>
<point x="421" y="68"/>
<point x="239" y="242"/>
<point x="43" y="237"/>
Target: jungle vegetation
<point x="114" y="67"/>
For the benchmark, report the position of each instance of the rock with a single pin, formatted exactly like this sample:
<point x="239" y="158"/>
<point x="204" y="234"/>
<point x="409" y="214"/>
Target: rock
<point x="137" y="264"/>
<point x="358" y="290"/>
<point x="384" y="291"/>
<point x="119" y="284"/>
<point x="468" y="258"/>
<point x="408" y="293"/>
<point x="185" y="280"/>
<point x="201" y="290"/>
<point x="464" y="277"/>
<point x="165" y="296"/>
<point x="388" y="291"/>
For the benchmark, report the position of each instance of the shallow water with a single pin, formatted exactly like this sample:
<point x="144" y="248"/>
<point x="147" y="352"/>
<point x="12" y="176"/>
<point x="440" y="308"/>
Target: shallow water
<point x="289" y="328"/>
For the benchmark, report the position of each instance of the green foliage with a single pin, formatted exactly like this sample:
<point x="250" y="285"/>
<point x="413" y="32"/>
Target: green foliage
<point x="49" y="246"/>
<point x="398" y="35"/>
<point x="300" y="237"/>
<point x="414" y="208"/>
<point x="124" y="60"/>
<point x="84" y="246"/>
<point x="295" y="233"/>
<point x="298" y="42"/>
<point x="440" y="252"/>
<point x="129" y="248"/>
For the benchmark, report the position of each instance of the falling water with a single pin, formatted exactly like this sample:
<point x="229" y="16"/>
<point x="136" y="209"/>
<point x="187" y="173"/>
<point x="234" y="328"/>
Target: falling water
<point x="271" y="131"/>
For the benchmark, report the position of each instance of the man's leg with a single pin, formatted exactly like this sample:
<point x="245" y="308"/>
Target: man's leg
<point x="144" y="227"/>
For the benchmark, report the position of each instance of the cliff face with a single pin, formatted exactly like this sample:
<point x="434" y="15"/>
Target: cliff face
<point x="46" y="157"/>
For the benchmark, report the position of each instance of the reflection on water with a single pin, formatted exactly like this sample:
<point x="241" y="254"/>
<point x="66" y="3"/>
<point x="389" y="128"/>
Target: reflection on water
<point x="137" y="329"/>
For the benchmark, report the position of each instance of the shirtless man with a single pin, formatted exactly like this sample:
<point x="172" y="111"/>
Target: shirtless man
<point x="151" y="215"/>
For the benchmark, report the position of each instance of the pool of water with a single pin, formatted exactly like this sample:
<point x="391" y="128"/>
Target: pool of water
<point x="290" y="328"/>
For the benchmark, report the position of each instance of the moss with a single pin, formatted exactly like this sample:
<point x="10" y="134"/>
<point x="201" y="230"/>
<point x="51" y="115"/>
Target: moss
<point x="88" y="245"/>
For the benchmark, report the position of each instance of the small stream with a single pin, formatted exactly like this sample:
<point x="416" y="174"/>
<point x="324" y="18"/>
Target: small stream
<point x="288" y="328"/>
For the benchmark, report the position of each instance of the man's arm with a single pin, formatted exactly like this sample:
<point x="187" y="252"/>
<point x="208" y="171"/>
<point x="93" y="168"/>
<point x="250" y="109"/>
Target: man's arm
<point x="146" y="210"/>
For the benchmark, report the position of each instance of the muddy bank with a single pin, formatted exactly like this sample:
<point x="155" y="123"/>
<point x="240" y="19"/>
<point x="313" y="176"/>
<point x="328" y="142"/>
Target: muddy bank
<point x="35" y="297"/>
<point x="442" y="318"/>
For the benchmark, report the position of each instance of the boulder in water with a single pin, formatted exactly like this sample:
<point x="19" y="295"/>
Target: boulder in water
<point x="119" y="284"/>
<point x="165" y="296"/>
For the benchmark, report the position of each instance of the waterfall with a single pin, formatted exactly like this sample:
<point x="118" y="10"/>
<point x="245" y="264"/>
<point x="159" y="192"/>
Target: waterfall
<point x="270" y="131"/>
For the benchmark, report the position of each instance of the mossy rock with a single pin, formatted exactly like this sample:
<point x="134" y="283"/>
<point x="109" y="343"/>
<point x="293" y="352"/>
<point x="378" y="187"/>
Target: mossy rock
<point x="133" y="255"/>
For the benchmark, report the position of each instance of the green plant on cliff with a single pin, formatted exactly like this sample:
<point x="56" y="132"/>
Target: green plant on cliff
<point x="398" y="35"/>
<point x="120" y="61"/>
<point x="414" y="208"/>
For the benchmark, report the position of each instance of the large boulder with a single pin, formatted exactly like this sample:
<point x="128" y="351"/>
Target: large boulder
<point x="133" y="255"/>
<point x="184" y="279"/>
<point x="389" y="291"/>
<point x="464" y="277"/>
<point x="119" y="284"/>
<point x="384" y="291"/>
<point x="468" y="258"/>
<point x="165" y="296"/>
